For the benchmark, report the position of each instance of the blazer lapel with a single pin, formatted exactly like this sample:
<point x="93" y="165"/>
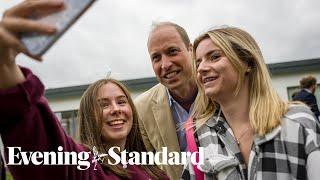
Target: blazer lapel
<point x="164" y="121"/>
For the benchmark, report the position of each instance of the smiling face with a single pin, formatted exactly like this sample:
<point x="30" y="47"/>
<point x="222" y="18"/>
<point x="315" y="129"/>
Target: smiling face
<point x="214" y="70"/>
<point x="117" y="115"/>
<point x="170" y="58"/>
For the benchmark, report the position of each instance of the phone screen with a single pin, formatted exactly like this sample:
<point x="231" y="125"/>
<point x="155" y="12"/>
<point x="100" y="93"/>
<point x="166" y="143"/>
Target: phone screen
<point x="38" y="44"/>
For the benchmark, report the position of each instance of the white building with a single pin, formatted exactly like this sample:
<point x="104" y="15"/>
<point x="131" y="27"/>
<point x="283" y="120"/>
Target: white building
<point x="285" y="78"/>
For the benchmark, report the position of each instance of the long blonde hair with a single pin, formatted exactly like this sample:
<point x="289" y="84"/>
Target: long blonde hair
<point x="266" y="107"/>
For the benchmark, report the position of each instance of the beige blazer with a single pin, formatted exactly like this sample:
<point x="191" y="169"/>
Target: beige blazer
<point x="157" y="125"/>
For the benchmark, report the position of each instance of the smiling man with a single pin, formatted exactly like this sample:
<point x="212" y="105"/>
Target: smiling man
<point x="164" y="108"/>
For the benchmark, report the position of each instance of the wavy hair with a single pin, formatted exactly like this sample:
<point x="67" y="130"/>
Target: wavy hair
<point x="266" y="107"/>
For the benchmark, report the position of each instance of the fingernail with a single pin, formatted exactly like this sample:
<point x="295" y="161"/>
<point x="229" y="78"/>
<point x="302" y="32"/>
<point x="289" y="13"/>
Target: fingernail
<point x="62" y="6"/>
<point x="52" y="29"/>
<point x="60" y="3"/>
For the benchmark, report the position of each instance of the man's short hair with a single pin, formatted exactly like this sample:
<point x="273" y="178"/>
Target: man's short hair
<point x="182" y="32"/>
<point x="307" y="82"/>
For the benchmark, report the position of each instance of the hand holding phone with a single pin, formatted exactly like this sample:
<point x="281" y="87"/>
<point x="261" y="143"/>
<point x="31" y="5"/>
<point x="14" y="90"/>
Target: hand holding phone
<point x="15" y="22"/>
<point x="37" y="44"/>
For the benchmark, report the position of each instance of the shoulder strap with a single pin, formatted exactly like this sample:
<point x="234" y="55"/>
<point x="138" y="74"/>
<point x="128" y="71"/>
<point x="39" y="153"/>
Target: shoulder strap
<point x="192" y="147"/>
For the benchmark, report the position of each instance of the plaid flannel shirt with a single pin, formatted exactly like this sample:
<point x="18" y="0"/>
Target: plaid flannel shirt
<point x="280" y="154"/>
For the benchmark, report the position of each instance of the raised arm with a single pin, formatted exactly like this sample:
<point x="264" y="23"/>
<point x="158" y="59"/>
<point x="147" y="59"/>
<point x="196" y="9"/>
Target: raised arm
<point x="26" y="121"/>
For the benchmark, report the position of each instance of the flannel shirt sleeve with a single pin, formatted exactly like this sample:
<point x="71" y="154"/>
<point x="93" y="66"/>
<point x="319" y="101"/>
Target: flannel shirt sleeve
<point x="312" y="146"/>
<point x="309" y="128"/>
<point x="312" y="134"/>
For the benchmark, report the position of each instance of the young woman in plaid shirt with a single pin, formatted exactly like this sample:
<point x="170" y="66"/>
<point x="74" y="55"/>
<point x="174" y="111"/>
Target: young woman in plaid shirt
<point x="246" y="129"/>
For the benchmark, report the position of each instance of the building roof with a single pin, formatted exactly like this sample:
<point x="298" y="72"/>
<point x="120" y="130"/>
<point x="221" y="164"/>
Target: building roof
<point x="132" y="84"/>
<point x="295" y="66"/>
<point x="146" y="83"/>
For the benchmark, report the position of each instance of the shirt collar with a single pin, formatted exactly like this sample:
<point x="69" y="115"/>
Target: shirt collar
<point x="172" y="101"/>
<point x="212" y="122"/>
<point x="267" y="137"/>
<point x="308" y="90"/>
<point x="170" y="98"/>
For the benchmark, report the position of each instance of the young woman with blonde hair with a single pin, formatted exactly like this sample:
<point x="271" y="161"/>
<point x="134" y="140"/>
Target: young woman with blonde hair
<point x="246" y="129"/>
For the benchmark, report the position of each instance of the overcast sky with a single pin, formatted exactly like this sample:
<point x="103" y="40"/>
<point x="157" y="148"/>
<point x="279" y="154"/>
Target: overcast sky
<point x="112" y="35"/>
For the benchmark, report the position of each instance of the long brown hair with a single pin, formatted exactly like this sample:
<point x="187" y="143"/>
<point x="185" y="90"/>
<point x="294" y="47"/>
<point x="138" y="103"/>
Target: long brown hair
<point x="90" y="117"/>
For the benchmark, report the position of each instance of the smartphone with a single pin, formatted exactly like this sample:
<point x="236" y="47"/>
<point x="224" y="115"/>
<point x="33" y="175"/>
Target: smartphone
<point x="38" y="44"/>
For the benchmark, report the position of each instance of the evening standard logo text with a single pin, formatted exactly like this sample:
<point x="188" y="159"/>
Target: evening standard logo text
<point x="18" y="157"/>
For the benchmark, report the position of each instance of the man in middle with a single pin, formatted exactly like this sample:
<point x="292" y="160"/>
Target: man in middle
<point x="164" y="108"/>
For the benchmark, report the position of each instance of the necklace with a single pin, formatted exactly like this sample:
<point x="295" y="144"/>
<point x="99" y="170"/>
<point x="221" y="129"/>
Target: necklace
<point x="242" y="134"/>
